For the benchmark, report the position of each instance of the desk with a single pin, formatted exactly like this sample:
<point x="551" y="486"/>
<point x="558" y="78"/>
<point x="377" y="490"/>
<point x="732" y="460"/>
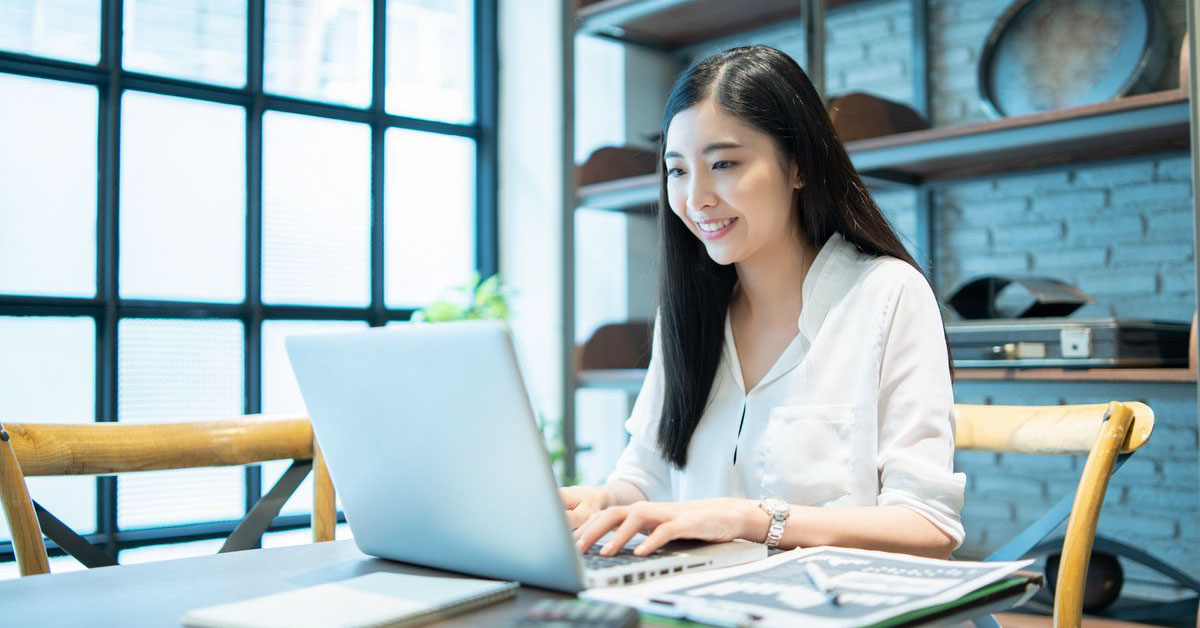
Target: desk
<point x="157" y="594"/>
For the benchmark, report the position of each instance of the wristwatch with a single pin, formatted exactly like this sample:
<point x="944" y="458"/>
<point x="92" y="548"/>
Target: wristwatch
<point x="778" y="510"/>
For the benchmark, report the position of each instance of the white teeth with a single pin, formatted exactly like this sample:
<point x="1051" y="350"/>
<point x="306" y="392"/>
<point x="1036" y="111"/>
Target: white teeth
<point x="714" y="226"/>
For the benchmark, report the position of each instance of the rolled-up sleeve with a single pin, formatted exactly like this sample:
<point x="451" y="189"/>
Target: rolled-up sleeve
<point x="916" y="405"/>
<point x="641" y="463"/>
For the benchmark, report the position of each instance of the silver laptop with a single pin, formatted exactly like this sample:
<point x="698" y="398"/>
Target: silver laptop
<point x="431" y="440"/>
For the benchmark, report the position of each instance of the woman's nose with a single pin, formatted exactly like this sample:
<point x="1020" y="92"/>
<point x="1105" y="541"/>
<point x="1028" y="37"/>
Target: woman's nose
<point x="700" y="193"/>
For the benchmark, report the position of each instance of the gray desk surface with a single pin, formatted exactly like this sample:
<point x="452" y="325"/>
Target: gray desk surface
<point x="157" y="594"/>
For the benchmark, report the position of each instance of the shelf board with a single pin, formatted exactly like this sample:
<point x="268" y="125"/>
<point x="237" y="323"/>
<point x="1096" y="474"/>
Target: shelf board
<point x="634" y="194"/>
<point x="631" y="379"/>
<point x="1164" y="375"/>
<point x="612" y="379"/>
<point x="674" y="24"/>
<point x="1133" y="125"/>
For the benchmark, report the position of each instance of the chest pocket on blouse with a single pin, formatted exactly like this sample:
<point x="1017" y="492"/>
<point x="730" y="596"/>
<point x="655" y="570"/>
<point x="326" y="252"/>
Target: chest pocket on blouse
<point x="807" y="453"/>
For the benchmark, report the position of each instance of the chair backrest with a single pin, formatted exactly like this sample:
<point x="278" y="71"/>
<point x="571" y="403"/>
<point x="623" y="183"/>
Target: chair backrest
<point x="50" y="449"/>
<point x="1099" y="431"/>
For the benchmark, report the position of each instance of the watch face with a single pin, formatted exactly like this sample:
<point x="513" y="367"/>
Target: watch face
<point x="775" y="505"/>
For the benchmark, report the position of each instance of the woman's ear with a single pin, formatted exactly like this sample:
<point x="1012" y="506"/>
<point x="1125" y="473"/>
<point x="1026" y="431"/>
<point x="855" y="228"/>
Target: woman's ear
<point x="797" y="182"/>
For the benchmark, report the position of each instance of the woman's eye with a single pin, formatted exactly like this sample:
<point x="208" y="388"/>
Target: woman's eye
<point x="722" y="165"/>
<point x="674" y="172"/>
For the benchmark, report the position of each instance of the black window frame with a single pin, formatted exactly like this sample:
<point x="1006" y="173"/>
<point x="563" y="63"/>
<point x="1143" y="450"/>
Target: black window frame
<point x="107" y="308"/>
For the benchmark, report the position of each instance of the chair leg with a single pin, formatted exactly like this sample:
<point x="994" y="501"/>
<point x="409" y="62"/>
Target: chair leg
<point x="249" y="531"/>
<point x="324" y="514"/>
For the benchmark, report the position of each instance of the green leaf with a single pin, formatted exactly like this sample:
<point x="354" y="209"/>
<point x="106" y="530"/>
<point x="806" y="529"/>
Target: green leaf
<point x="441" y="311"/>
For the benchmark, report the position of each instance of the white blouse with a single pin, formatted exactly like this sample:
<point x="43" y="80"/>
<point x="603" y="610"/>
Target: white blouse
<point x="857" y="411"/>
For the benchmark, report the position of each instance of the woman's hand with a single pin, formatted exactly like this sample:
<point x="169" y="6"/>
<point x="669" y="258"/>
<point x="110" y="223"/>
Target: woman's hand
<point x="715" y="520"/>
<point x="582" y="502"/>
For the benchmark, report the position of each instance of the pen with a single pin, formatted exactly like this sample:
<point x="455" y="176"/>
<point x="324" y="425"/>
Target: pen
<point x="817" y="576"/>
<point x="701" y="613"/>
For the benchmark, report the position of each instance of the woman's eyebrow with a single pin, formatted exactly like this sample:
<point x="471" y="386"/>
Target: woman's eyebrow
<point x="707" y="149"/>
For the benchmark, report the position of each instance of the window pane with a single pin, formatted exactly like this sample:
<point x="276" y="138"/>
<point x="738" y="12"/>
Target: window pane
<point x="169" y="551"/>
<point x="47" y="187"/>
<point x="431" y="59"/>
<point x="319" y="50"/>
<point x="47" y="374"/>
<point x="204" y="40"/>
<point x="429" y="196"/>
<point x="281" y="394"/>
<point x="316" y="211"/>
<point x="64" y="29"/>
<point x="183" y="199"/>
<point x="182" y="370"/>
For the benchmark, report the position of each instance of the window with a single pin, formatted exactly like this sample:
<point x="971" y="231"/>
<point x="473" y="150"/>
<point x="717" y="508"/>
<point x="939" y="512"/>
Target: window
<point x="183" y="183"/>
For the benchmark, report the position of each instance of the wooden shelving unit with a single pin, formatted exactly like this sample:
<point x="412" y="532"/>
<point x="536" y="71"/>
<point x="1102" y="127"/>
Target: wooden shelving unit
<point x="673" y="24"/>
<point x="921" y="161"/>
<point x="1135" y="125"/>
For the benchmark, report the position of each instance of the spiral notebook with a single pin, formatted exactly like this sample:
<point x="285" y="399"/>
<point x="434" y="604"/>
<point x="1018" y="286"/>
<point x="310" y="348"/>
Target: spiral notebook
<point x="376" y="600"/>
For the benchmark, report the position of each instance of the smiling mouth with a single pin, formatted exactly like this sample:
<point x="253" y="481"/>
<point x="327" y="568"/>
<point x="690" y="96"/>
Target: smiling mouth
<point x="715" y="225"/>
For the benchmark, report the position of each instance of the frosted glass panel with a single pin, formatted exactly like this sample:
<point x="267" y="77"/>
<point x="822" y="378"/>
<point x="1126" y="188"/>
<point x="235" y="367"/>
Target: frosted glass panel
<point x="429" y="195"/>
<point x="280" y="393"/>
<point x="183" y="199"/>
<point x="316" y="211"/>
<point x="47" y="187"/>
<point x="319" y="50"/>
<point x="302" y="536"/>
<point x="431" y="59"/>
<point x="58" y="564"/>
<point x="170" y="551"/>
<point x="63" y="29"/>
<point x="47" y="374"/>
<point x="202" y="40"/>
<point x="179" y="369"/>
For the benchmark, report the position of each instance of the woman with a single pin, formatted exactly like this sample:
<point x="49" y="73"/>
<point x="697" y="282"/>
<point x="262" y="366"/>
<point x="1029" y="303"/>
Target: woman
<point x="799" y="390"/>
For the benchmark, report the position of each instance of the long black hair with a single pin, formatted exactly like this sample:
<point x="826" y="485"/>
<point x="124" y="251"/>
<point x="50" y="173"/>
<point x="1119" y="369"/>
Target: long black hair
<point x="766" y="89"/>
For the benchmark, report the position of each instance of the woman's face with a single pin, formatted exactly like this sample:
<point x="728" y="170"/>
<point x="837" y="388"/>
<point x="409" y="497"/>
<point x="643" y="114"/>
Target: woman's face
<point x="727" y="183"/>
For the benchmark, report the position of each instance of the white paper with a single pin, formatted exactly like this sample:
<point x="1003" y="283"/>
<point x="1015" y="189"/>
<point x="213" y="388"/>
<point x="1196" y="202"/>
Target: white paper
<point x="871" y="586"/>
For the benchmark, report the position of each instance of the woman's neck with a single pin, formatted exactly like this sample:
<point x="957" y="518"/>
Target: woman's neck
<point x="771" y="284"/>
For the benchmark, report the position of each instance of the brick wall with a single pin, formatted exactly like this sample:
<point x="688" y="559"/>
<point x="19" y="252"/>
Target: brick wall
<point x="1121" y="231"/>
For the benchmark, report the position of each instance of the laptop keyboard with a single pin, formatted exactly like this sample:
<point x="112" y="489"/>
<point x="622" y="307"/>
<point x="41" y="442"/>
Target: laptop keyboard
<point x="593" y="560"/>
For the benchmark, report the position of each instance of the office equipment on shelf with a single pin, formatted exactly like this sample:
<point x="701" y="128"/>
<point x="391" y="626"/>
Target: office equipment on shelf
<point x="1068" y="342"/>
<point x="873" y="587"/>
<point x="52" y="449"/>
<point x="373" y="600"/>
<point x="427" y="428"/>
<point x="1009" y="296"/>
<point x="1023" y="322"/>
<point x="1051" y="54"/>
<point x="858" y="116"/>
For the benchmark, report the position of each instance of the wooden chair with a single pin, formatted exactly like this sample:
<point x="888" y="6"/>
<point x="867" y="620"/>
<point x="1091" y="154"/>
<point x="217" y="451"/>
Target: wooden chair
<point x="1105" y="433"/>
<point x="43" y="449"/>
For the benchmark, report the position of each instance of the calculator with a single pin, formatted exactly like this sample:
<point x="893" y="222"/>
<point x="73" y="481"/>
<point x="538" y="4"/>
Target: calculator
<point x="577" y="614"/>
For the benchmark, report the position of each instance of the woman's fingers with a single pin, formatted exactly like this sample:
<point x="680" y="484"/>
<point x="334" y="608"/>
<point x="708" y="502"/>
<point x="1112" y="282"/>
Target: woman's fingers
<point x="577" y="516"/>
<point x="599" y="524"/>
<point x="570" y="497"/>
<point x="665" y="532"/>
<point x="631" y="525"/>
